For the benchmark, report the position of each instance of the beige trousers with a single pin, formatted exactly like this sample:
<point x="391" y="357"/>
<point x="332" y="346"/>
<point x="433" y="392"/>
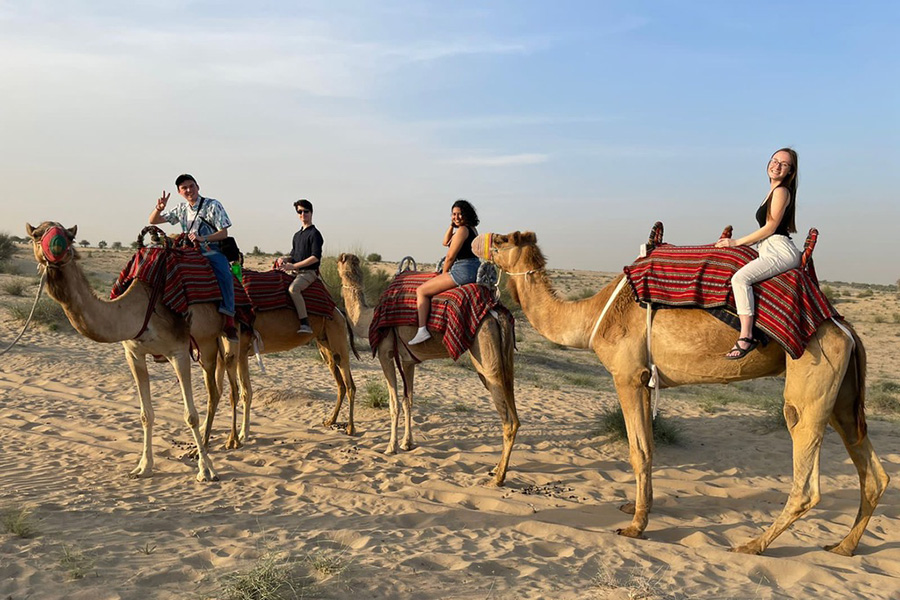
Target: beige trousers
<point x="302" y="280"/>
<point x="777" y="254"/>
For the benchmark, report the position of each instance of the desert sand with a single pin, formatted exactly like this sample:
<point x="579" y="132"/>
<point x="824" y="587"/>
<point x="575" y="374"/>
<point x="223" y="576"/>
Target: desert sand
<point x="348" y="521"/>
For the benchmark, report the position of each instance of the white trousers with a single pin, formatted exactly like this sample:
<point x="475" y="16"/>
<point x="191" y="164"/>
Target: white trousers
<point x="777" y="254"/>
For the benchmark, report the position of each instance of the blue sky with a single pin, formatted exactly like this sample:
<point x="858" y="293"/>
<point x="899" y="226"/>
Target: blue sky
<point x="585" y="122"/>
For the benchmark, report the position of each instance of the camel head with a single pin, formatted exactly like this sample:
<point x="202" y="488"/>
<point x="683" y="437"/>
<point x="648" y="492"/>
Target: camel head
<point x="52" y="243"/>
<point x="516" y="252"/>
<point x="348" y="268"/>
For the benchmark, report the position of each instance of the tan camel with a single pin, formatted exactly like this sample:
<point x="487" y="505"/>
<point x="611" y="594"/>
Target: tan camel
<point x="278" y="332"/>
<point x="491" y="354"/>
<point x="359" y="313"/>
<point x="166" y="334"/>
<point x="825" y="385"/>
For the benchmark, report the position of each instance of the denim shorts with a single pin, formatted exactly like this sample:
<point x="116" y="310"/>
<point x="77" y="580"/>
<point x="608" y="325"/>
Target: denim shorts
<point x="464" y="271"/>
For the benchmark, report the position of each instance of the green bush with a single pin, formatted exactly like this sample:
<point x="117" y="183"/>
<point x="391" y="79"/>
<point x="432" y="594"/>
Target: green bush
<point x="7" y="247"/>
<point x="612" y="423"/>
<point x="374" y="257"/>
<point x="375" y="395"/>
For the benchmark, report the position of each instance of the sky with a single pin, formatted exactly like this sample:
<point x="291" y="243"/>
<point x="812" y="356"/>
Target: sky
<point x="583" y="121"/>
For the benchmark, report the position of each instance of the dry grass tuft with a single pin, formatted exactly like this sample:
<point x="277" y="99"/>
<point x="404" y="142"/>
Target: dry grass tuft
<point x="19" y="522"/>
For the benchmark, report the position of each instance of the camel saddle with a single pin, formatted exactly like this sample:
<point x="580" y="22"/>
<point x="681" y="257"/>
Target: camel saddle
<point x="455" y="314"/>
<point x="268" y="290"/>
<point x="789" y="307"/>
<point x="188" y="278"/>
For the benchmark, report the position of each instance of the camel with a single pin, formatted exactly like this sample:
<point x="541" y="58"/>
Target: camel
<point x="278" y="332"/>
<point x="491" y="354"/>
<point x="358" y="312"/>
<point x="825" y="385"/>
<point x="166" y="333"/>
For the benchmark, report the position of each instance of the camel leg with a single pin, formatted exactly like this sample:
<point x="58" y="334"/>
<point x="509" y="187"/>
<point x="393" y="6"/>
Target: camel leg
<point x="138" y="366"/>
<point x="499" y="383"/>
<point x="811" y="387"/>
<point x="246" y="391"/>
<point x="634" y="396"/>
<point x="228" y="359"/>
<point x="385" y="357"/>
<point x="873" y="481"/>
<point x="409" y="370"/>
<point x="329" y="358"/>
<point x="212" y="380"/>
<point x="182" y="363"/>
<point x="346" y="385"/>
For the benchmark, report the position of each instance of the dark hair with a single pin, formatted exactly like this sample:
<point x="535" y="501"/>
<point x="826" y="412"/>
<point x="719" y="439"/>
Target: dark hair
<point x="790" y="184"/>
<point x="184" y="177"/>
<point x="304" y="203"/>
<point x="468" y="212"/>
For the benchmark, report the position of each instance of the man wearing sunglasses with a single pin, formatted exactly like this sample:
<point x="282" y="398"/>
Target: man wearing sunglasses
<point x="303" y="261"/>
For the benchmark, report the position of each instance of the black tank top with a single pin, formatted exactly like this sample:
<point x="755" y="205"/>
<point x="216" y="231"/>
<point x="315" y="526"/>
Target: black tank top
<point x="763" y="211"/>
<point x="466" y="250"/>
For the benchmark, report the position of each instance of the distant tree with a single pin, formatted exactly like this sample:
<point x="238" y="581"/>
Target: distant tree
<point x="134" y="245"/>
<point x="6" y="247"/>
<point x="257" y="251"/>
<point x="101" y="244"/>
<point x="116" y="246"/>
<point x="374" y="257"/>
<point x="84" y="243"/>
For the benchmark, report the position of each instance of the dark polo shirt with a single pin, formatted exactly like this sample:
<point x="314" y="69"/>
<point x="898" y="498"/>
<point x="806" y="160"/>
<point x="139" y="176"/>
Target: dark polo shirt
<point x="307" y="242"/>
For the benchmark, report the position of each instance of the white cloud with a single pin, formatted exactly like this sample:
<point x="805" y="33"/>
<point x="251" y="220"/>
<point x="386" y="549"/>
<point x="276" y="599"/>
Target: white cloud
<point x="505" y="160"/>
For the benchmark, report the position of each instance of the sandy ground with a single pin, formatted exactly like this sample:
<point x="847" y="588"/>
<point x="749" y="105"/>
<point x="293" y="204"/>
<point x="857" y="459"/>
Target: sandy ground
<point x="353" y="522"/>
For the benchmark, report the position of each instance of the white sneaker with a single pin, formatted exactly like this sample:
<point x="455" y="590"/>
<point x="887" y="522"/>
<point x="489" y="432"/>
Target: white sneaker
<point x="421" y="336"/>
<point x="304" y="329"/>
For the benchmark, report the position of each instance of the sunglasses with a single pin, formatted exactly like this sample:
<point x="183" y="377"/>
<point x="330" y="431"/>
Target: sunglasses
<point x="303" y="211"/>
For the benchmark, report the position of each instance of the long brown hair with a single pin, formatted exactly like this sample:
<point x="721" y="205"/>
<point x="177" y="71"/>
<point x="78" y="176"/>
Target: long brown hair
<point x="790" y="184"/>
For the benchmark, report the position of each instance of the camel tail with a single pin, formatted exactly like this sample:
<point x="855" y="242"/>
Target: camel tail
<point x="351" y="334"/>
<point x="508" y="335"/>
<point x="859" y="404"/>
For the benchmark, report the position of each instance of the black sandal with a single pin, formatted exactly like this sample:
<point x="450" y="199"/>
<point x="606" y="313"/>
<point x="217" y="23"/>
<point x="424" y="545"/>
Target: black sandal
<point x="742" y="352"/>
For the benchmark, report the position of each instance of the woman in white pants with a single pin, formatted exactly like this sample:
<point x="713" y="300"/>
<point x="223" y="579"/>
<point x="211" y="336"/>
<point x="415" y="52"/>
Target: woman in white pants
<point x="777" y="252"/>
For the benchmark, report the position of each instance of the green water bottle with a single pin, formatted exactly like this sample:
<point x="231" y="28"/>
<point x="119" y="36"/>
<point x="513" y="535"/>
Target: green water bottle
<point x="238" y="271"/>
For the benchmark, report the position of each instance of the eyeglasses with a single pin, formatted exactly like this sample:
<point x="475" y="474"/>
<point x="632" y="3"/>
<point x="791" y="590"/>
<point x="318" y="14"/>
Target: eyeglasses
<point x="784" y="165"/>
<point x="303" y="211"/>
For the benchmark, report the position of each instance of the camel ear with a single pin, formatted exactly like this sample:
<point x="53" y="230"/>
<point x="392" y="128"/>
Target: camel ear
<point x="29" y="230"/>
<point x="72" y="231"/>
<point x="342" y="257"/>
<point x="529" y="237"/>
<point x="516" y="237"/>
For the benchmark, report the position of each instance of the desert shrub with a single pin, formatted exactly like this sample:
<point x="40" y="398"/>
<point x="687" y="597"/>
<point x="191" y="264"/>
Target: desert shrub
<point x="879" y="319"/>
<point x="374" y="257"/>
<point x="896" y="317"/>
<point x="375" y="395"/>
<point x="16" y="287"/>
<point x="581" y="294"/>
<point x="47" y="312"/>
<point x="829" y="292"/>
<point x="116" y="246"/>
<point x="18" y="521"/>
<point x="76" y="563"/>
<point x="271" y="578"/>
<point x="867" y="293"/>
<point x="102" y="244"/>
<point x="462" y="407"/>
<point x="612" y="423"/>
<point x="7" y="247"/>
<point x="885" y="396"/>
<point x="84" y="243"/>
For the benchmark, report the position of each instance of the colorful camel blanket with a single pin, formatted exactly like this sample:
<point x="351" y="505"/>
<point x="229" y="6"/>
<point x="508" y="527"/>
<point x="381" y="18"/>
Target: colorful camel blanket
<point x="189" y="280"/>
<point x="268" y="290"/>
<point x="456" y="313"/>
<point x="789" y="307"/>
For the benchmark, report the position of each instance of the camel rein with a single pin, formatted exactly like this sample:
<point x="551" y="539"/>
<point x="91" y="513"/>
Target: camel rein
<point x="28" y="321"/>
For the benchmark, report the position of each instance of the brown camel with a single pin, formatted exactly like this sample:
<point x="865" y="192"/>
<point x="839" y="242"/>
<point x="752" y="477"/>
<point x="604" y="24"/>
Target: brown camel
<point x="359" y="313"/>
<point x="825" y="385"/>
<point x="491" y="354"/>
<point x="167" y="334"/>
<point x="278" y="333"/>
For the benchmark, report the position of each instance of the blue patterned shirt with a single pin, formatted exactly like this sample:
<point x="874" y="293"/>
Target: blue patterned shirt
<point x="211" y="218"/>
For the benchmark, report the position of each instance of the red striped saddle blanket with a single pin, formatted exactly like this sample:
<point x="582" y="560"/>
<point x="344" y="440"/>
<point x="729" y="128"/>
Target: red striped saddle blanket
<point x="188" y="276"/>
<point x="268" y="290"/>
<point x="789" y="307"/>
<point x="456" y="313"/>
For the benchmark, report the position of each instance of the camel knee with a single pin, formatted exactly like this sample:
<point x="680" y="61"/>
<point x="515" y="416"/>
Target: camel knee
<point x="192" y="419"/>
<point x="791" y="416"/>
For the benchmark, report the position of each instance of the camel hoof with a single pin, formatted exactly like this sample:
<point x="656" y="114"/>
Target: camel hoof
<point x="391" y="449"/>
<point x="328" y="423"/>
<point x="207" y="475"/>
<point x="232" y="443"/>
<point x="628" y="508"/>
<point x="752" y="548"/>
<point x="350" y="430"/>
<point x="408" y="446"/>
<point x="839" y="549"/>
<point x="140" y="474"/>
<point x="631" y="532"/>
